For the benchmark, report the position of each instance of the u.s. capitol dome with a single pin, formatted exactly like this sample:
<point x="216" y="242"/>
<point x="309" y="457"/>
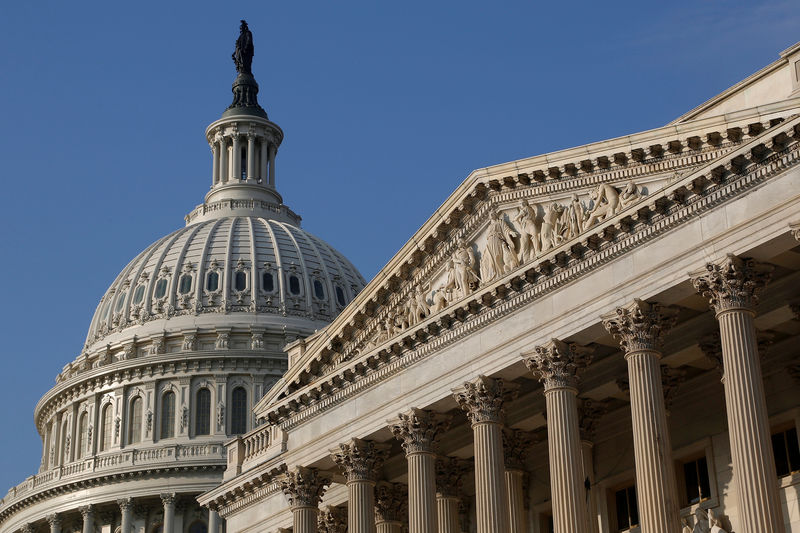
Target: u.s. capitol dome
<point x="183" y="343"/>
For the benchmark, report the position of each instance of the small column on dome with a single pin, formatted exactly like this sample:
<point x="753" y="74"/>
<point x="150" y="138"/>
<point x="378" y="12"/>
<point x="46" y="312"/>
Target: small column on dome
<point x="236" y="156"/>
<point x="215" y="164"/>
<point x="251" y="157"/>
<point x="273" y="151"/>
<point x="223" y="159"/>
<point x="263" y="165"/>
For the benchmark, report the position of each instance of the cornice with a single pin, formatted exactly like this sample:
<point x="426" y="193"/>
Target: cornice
<point x="716" y="182"/>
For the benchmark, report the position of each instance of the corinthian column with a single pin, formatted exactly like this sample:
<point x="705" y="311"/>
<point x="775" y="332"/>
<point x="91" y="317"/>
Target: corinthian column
<point x="732" y="288"/>
<point x="640" y="328"/>
<point x="360" y="460"/>
<point x="557" y="364"/>
<point x="55" y="522"/>
<point x="391" y="507"/>
<point x="87" y="512"/>
<point x="417" y="430"/>
<point x="450" y="473"/>
<point x="332" y="520"/>
<point x="126" y="510"/>
<point x="304" y="488"/>
<point x="168" y="499"/>
<point x="515" y="450"/>
<point x="483" y="400"/>
<point x="213" y="521"/>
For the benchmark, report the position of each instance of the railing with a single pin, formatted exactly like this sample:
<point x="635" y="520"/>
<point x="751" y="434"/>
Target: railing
<point x="98" y="464"/>
<point x="256" y="442"/>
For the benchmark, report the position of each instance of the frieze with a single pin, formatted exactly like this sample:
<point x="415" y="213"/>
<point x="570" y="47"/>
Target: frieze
<point x="656" y="213"/>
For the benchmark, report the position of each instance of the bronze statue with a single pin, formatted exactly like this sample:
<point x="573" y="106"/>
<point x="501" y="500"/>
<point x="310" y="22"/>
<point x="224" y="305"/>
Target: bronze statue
<point x="243" y="55"/>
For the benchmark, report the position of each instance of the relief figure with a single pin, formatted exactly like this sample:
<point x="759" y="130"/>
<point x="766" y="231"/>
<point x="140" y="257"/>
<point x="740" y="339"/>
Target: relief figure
<point x="606" y="204"/>
<point x="529" y="242"/>
<point x="463" y="275"/>
<point x="499" y="246"/>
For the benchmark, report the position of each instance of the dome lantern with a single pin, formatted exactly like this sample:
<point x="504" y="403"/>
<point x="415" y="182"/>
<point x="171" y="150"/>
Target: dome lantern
<point x="244" y="144"/>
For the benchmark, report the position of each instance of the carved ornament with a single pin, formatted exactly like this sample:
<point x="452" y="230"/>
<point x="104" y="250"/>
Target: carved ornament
<point x="418" y="429"/>
<point x="483" y="398"/>
<point x="391" y="502"/>
<point x="733" y="283"/>
<point x="360" y="460"/>
<point x="640" y="326"/>
<point x="558" y="363"/>
<point x="304" y="487"/>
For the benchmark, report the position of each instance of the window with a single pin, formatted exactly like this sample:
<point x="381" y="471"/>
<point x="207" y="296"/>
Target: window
<point x="340" y="296"/>
<point x="80" y="443"/>
<point x="120" y="302"/>
<point x="212" y="281"/>
<point x="240" y="281"/>
<point x="185" y="285"/>
<point x="198" y="527"/>
<point x="239" y="411"/>
<point x="243" y="160"/>
<point x="65" y="442"/>
<point x="161" y="288"/>
<point x="695" y="476"/>
<point x="319" y="291"/>
<point x="138" y="295"/>
<point x="168" y="415"/>
<point x="135" y="421"/>
<point x="294" y="284"/>
<point x="786" y="451"/>
<point x="267" y="282"/>
<point x="203" y="404"/>
<point x="627" y="510"/>
<point x="105" y="442"/>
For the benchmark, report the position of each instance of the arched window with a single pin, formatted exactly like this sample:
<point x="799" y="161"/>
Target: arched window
<point x="168" y="415"/>
<point x="105" y="442"/>
<point x="138" y="295"/>
<point x="80" y="438"/>
<point x="198" y="527"/>
<point x="202" y="425"/>
<point x="65" y="442"/>
<point x="239" y="411"/>
<point x="135" y="421"/>
<point x="185" y="284"/>
<point x="340" y="296"/>
<point x="120" y="302"/>
<point x="294" y="284"/>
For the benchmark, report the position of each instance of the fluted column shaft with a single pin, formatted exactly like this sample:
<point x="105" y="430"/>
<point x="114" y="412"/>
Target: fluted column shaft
<point x="361" y="506"/>
<point x="748" y="424"/>
<point x="213" y="522"/>
<point x="88" y="519"/>
<point x="126" y="512"/>
<point x="732" y="287"/>
<point x="304" y="519"/>
<point x="557" y="364"/>
<point x="389" y="527"/>
<point x="304" y="488"/>
<point x="566" y="471"/>
<point x="55" y="522"/>
<point x="263" y="163"/>
<point x="447" y="507"/>
<point x="391" y="507"/>
<point x="215" y="165"/>
<point x="417" y="430"/>
<point x="516" y="500"/>
<point x="656" y="489"/>
<point x="169" y="512"/>
<point x="588" y="472"/>
<point x="236" y="159"/>
<point x="360" y="460"/>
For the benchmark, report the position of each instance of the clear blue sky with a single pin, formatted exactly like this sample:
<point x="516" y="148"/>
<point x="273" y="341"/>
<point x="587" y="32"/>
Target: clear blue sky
<point x="386" y="107"/>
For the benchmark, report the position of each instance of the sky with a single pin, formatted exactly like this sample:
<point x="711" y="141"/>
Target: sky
<point x="386" y="108"/>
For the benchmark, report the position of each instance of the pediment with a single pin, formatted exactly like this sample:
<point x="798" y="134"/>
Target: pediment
<point x="508" y="225"/>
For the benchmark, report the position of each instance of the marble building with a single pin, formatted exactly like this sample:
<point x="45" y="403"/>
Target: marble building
<point x="599" y="339"/>
<point x="184" y="342"/>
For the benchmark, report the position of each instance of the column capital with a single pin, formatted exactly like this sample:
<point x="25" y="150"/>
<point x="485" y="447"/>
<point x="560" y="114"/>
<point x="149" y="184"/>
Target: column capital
<point x="304" y="487"/>
<point x="733" y="283"/>
<point x="558" y="363"/>
<point x="332" y="520"/>
<point x="795" y="229"/>
<point x="86" y="510"/>
<point x="54" y="519"/>
<point x="515" y="447"/>
<point x="391" y="502"/>
<point x="589" y="414"/>
<point x="450" y="472"/>
<point x="167" y="498"/>
<point x="418" y="429"/>
<point x="360" y="459"/>
<point x="27" y="528"/>
<point x="483" y="398"/>
<point x="640" y="325"/>
<point x="125" y="504"/>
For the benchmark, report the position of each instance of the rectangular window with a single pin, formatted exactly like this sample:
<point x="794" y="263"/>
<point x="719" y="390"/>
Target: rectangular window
<point x="696" y="481"/>
<point x="786" y="451"/>
<point x="627" y="509"/>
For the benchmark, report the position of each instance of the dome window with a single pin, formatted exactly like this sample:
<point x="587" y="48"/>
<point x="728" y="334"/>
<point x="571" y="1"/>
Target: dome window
<point x="120" y="303"/>
<point x="340" y="296"/>
<point x="240" y="281"/>
<point x="294" y="284"/>
<point x="267" y="282"/>
<point x="168" y="415"/>
<point x="212" y="281"/>
<point x="185" y="285"/>
<point x="138" y="295"/>
<point x="319" y="290"/>
<point x="203" y="416"/>
<point x="239" y="411"/>
<point x="161" y="288"/>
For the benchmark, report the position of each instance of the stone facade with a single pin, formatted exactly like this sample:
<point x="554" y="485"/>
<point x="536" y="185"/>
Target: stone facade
<point x="552" y="327"/>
